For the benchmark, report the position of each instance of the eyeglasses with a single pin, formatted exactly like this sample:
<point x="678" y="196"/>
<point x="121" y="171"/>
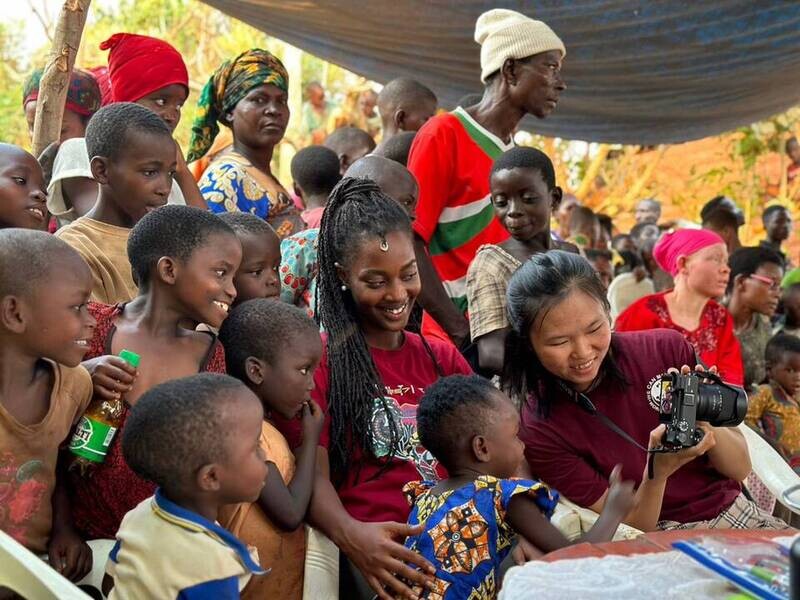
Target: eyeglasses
<point x="773" y="284"/>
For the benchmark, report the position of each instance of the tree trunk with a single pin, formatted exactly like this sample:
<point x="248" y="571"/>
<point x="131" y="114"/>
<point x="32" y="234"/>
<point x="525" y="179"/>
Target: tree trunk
<point x="55" y="79"/>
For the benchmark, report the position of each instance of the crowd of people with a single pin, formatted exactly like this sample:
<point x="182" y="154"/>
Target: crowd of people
<point x="406" y="349"/>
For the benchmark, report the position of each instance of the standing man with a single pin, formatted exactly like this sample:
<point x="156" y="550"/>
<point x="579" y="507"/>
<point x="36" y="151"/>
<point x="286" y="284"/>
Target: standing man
<point x="452" y="156"/>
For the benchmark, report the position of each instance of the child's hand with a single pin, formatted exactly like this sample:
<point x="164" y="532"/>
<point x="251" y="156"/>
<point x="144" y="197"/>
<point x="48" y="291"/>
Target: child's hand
<point x="69" y="554"/>
<point x="111" y="376"/>
<point x="313" y="419"/>
<point x="621" y="497"/>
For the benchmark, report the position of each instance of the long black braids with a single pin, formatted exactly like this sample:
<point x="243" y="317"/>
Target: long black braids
<point x="356" y="210"/>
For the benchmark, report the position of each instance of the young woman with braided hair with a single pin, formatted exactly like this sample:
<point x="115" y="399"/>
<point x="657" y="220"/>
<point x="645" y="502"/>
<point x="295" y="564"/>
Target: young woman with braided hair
<point x="372" y="375"/>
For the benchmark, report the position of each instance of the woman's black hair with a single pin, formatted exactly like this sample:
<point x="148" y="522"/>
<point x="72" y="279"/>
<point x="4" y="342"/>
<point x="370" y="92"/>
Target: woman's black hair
<point x="538" y="285"/>
<point x="357" y="210"/>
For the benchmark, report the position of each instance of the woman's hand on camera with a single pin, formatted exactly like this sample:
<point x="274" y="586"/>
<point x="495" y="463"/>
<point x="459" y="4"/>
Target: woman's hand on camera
<point x="666" y="463"/>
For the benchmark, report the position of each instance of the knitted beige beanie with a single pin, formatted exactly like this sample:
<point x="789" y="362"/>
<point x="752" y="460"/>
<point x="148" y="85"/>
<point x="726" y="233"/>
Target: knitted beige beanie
<point x="506" y="34"/>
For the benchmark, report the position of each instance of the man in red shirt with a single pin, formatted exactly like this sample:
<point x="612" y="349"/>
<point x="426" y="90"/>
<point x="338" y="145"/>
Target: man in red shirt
<point x="453" y="153"/>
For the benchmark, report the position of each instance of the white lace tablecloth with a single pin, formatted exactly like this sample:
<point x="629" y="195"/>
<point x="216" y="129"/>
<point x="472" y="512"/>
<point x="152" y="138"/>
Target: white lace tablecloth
<point x="658" y="576"/>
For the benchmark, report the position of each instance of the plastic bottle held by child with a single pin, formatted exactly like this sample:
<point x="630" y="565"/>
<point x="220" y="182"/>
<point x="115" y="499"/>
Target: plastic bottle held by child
<point x="97" y="427"/>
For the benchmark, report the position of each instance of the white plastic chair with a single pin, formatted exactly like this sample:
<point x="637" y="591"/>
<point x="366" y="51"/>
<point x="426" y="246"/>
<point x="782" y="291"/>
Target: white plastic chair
<point x="30" y="577"/>
<point x="776" y="474"/>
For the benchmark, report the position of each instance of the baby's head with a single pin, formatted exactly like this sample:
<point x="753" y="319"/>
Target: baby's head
<point x="465" y="422"/>
<point x="189" y="254"/>
<point x="23" y="195"/>
<point x="257" y="275"/>
<point x="524" y="192"/>
<point x="198" y="438"/>
<point x="133" y="157"/>
<point x="274" y="348"/>
<point x="44" y="288"/>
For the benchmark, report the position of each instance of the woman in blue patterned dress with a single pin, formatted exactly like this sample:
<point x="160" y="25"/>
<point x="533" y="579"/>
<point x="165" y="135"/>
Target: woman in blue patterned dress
<point x="250" y="96"/>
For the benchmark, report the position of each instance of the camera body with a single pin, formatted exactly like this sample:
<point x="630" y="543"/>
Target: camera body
<point x="697" y="396"/>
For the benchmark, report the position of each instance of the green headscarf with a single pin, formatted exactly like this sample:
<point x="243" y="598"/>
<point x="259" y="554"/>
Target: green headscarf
<point x="227" y="86"/>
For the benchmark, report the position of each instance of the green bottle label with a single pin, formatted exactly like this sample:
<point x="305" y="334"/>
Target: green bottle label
<point x="92" y="439"/>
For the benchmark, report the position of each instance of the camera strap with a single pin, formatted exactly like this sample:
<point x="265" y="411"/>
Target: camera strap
<point x="585" y="404"/>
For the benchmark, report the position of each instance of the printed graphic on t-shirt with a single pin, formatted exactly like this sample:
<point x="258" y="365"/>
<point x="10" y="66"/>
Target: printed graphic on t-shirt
<point x="656" y="389"/>
<point x="404" y="417"/>
<point x="21" y="496"/>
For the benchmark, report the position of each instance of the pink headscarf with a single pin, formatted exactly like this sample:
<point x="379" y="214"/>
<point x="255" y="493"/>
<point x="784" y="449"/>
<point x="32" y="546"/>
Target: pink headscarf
<point x="683" y="242"/>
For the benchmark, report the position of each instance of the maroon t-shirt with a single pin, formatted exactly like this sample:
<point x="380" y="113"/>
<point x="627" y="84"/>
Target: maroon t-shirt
<point x="405" y="374"/>
<point x="574" y="452"/>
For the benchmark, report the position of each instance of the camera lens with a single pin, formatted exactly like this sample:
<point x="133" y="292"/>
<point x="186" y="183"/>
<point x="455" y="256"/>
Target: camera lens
<point x="721" y="405"/>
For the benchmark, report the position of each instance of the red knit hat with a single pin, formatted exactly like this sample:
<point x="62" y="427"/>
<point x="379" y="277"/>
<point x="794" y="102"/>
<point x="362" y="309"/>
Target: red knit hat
<point x="139" y="65"/>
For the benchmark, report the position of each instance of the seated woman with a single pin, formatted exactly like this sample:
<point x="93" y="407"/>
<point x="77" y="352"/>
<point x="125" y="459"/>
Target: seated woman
<point x="560" y="354"/>
<point x="524" y="195"/>
<point x="753" y="294"/>
<point x="698" y="261"/>
<point x="249" y="95"/>
<point x="369" y="383"/>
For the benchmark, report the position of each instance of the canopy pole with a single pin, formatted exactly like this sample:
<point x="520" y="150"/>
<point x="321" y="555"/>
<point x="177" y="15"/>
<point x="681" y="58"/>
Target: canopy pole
<point x="55" y="79"/>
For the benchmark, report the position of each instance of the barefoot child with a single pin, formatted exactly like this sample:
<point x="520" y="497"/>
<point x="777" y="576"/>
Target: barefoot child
<point x="274" y="349"/>
<point x="197" y="438"/>
<point x="257" y="275"/>
<point x="524" y="195"/>
<point x="184" y="260"/>
<point x="44" y="333"/>
<point x="471" y="428"/>
<point x="22" y="190"/>
<point x="370" y="380"/>
<point x="132" y="158"/>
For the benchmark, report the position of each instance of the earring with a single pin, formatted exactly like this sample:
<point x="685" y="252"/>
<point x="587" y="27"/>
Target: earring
<point x="384" y="245"/>
<point x="344" y="288"/>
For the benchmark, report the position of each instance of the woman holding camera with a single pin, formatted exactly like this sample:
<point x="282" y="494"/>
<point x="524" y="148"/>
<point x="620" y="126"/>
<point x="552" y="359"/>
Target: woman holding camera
<point x="562" y="357"/>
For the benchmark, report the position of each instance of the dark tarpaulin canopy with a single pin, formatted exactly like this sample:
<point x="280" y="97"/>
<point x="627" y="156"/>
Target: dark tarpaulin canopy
<point x="637" y="72"/>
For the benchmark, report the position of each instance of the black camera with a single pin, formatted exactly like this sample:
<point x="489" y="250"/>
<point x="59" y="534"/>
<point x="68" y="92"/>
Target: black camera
<point x="698" y="396"/>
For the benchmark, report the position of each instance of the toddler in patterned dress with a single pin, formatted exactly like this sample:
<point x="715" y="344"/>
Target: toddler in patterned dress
<point x="471" y="518"/>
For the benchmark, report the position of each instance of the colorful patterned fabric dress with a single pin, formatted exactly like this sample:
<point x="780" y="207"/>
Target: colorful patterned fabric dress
<point x="466" y="535"/>
<point x="232" y="184"/>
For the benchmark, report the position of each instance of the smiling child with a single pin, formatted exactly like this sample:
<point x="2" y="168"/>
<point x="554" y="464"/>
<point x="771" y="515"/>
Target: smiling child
<point x="524" y="195"/>
<point x="44" y="329"/>
<point x="22" y="190"/>
<point x="184" y="260"/>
